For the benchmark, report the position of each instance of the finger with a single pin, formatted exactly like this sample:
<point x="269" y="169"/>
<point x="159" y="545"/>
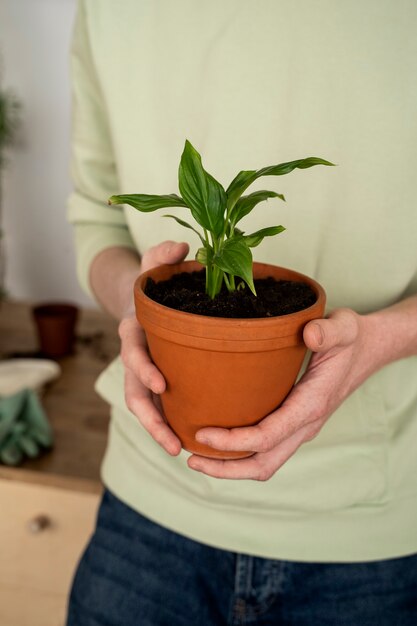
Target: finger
<point x="260" y="438"/>
<point x="135" y="356"/>
<point x="141" y="404"/>
<point x="258" y="467"/>
<point x="338" y="330"/>
<point x="166" y="252"/>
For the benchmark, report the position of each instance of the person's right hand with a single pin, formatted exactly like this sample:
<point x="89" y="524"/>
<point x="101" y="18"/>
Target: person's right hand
<point x="143" y="381"/>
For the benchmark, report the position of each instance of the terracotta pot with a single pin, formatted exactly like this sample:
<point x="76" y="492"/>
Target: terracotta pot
<point x="55" y="323"/>
<point x="219" y="371"/>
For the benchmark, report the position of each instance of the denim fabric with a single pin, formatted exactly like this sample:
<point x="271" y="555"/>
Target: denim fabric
<point x="136" y="573"/>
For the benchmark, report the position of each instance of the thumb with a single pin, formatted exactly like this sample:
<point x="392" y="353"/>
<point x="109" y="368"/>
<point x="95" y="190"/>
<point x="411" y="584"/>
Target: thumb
<point x="169" y="252"/>
<point x="339" y="329"/>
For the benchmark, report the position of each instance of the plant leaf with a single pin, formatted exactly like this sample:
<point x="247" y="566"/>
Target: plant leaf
<point x="245" y="204"/>
<point x="235" y="258"/>
<point x="254" y="239"/>
<point x="148" y="203"/>
<point x="187" y="225"/>
<point x="203" y="194"/>
<point x="204" y="255"/>
<point x="238" y="186"/>
<point x="247" y="177"/>
<point x="286" y="168"/>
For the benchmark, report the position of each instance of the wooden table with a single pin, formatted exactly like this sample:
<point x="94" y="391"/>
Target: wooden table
<point x="79" y="417"/>
<point x="62" y="487"/>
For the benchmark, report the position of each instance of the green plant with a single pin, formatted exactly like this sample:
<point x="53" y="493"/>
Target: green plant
<point x="226" y="250"/>
<point x="9" y="123"/>
<point x="9" y="120"/>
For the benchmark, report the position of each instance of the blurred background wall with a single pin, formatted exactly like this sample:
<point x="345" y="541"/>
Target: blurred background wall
<point x="34" y="49"/>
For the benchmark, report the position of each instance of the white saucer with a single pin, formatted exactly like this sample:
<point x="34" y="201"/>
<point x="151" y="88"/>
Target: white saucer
<point x="17" y="374"/>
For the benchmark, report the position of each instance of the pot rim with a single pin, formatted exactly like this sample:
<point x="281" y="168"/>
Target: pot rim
<point x="166" y="316"/>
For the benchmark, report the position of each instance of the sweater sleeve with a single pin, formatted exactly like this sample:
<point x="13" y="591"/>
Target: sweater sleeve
<point x="96" y="225"/>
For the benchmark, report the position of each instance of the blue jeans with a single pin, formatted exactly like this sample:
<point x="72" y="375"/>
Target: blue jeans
<point x="136" y="573"/>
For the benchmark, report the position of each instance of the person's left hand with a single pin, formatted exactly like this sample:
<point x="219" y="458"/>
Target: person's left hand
<point x="342" y="359"/>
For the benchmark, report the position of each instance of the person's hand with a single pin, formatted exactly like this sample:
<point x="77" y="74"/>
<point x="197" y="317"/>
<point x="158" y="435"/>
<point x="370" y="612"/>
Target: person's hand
<point x="342" y="359"/>
<point x="143" y="381"/>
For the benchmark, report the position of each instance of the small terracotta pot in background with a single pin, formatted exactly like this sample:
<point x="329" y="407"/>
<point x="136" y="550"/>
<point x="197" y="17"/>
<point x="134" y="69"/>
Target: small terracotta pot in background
<point x="55" y="324"/>
<point x="219" y="371"/>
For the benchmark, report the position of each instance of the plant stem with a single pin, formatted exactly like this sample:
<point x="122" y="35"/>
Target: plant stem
<point x="209" y="278"/>
<point x="213" y="278"/>
<point x="228" y="283"/>
<point x="217" y="276"/>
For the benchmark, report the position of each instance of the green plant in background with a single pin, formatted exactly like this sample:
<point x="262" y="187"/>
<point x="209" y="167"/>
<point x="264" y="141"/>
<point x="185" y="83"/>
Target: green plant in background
<point x="226" y="250"/>
<point x="9" y="123"/>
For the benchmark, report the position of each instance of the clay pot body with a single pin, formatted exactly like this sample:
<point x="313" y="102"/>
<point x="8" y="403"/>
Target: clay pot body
<point x="55" y="323"/>
<point x="223" y="372"/>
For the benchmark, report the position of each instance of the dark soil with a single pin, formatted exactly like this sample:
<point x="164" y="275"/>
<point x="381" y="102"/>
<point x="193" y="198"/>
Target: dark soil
<point x="186" y="292"/>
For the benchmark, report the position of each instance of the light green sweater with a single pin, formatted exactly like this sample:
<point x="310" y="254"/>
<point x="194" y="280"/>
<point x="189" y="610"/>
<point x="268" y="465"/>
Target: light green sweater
<point x="252" y="84"/>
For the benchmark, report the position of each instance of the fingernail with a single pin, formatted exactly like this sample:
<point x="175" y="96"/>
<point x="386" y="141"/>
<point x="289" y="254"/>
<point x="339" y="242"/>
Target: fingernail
<point x="319" y="334"/>
<point x="202" y="439"/>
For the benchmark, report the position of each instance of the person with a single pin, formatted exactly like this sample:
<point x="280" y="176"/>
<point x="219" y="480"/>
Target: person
<point x="318" y="527"/>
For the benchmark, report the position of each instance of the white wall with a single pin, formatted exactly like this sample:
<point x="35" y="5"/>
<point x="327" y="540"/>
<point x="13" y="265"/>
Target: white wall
<point x="34" y="44"/>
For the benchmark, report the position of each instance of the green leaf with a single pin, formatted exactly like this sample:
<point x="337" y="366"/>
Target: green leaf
<point x="148" y="203"/>
<point x="286" y="168"/>
<point x="235" y="258"/>
<point x="204" y="255"/>
<point x="238" y="186"/>
<point x="247" y="177"/>
<point x="10" y="118"/>
<point x="254" y="239"/>
<point x="203" y="194"/>
<point x="187" y="225"/>
<point x="245" y="204"/>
